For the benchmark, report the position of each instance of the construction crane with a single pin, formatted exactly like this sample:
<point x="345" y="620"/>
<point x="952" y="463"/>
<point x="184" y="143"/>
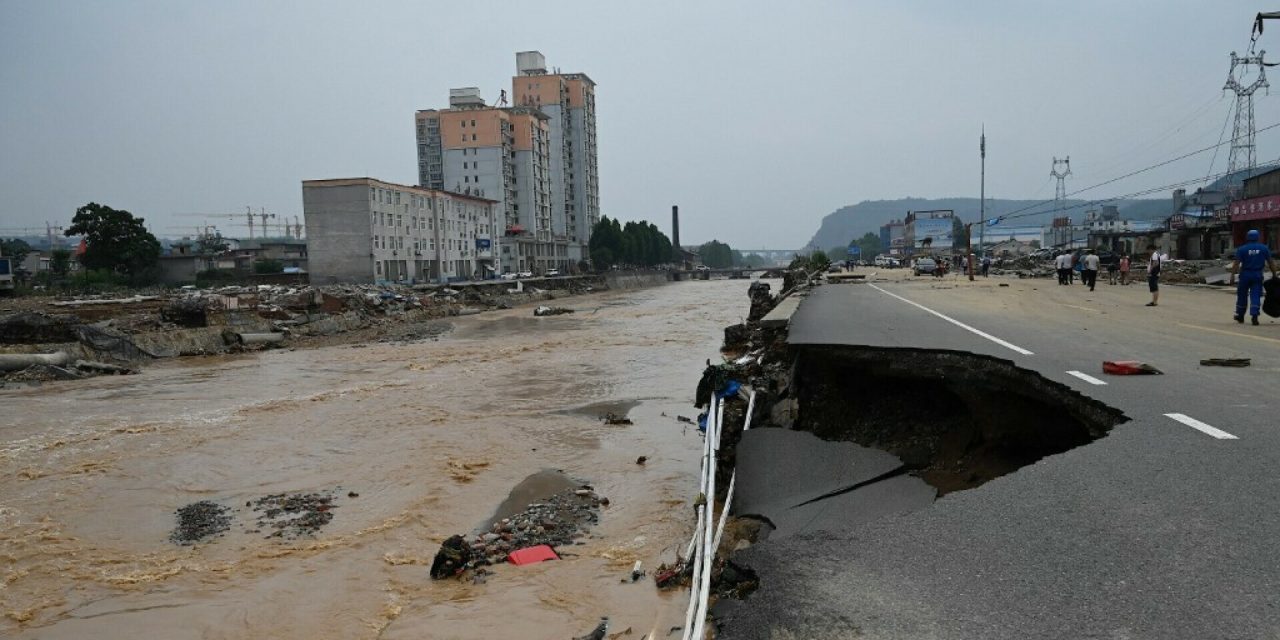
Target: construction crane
<point x="52" y="233"/>
<point x="248" y="217"/>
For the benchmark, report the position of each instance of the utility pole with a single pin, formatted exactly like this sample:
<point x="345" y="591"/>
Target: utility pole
<point x="248" y="213"/>
<point x="982" y="194"/>
<point x="1243" y="149"/>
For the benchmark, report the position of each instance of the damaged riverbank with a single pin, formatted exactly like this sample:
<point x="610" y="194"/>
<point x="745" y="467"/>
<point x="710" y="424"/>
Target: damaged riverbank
<point x="843" y="436"/>
<point x="45" y="340"/>
<point x="431" y="436"/>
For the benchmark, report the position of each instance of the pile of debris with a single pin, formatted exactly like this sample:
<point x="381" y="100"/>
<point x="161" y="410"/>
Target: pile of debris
<point x="292" y="515"/>
<point x="544" y="310"/>
<point x="1195" y="272"/>
<point x="1023" y="267"/>
<point x="556" y="521"/>
<point x="200" y="520"/>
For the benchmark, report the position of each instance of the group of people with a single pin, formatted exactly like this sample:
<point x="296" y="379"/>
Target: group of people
<point x="1088" y="264"/>
<point x="1247" y="273"/>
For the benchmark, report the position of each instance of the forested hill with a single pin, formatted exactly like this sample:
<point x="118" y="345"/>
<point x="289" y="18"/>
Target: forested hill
<point x="850" y="222"/>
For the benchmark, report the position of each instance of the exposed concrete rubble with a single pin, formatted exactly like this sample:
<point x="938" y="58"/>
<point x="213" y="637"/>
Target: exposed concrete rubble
<point x="116" y="335"/>
<point x="555" y="520"/>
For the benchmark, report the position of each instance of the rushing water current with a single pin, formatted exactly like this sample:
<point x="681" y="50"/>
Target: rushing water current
<point x="428" y="438"/>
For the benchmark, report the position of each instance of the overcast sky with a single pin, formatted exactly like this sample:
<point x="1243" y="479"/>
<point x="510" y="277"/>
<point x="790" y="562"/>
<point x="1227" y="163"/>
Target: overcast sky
<point x="756" y="118"/>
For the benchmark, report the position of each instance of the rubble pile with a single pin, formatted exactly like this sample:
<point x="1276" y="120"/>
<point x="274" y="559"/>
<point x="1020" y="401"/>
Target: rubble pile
<point x="1192" y="271"/>
<point x="118" y="332"/>
<point x="200" y="520"/>
<point x="1023" y="267"/>
<point x="556" y="521"/>
<point x="292" y="515"/>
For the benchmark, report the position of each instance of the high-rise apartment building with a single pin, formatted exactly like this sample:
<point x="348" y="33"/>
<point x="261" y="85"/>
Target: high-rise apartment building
<point x="537" y="159"/>
<point x="500" y="154"/>
<point x="569" y="100"/>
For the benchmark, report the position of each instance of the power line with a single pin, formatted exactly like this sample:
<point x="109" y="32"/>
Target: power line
<point x="1129" y="175"/>
<point x="1135" y="194"/>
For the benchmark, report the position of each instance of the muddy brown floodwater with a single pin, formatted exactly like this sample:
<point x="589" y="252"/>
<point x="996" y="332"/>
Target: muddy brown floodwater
<point x="429" y="438"/>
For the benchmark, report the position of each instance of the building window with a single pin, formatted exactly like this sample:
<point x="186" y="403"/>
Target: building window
<point x="473" y="137"/>
<point x="473" y="123"/>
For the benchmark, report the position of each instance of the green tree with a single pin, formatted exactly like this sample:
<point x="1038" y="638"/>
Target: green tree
<point x="60" y="262"/>
<point x="959" y="234"/>
<point x="114" y="240"/>
<point x="819" y="261"/>
<point x="211" y="245"/>
<point x="268" y="265"/>
<point x="716" y="254"/>
<point x="753" y="261"/>
<point x="635" y="243"/>
<point x="17" y="248"/>
<point x="870" y="246"/>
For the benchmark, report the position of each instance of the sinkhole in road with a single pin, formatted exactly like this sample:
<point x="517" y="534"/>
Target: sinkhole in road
<point x="956" y="419"/>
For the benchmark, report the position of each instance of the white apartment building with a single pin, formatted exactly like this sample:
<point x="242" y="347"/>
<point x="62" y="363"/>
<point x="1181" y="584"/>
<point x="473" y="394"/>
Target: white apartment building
<point x="369" y="230"/>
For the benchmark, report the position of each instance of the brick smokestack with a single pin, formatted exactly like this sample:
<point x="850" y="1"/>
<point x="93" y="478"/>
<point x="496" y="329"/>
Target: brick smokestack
<point x="675" y="231"/>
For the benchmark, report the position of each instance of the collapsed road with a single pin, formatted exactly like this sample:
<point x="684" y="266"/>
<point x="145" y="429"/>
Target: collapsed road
<point x="1072" y="504"/>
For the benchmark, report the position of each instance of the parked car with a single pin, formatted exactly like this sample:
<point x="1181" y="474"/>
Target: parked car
<point x="923" y="266"/>
<point x="509" y="276"/>
<point x="703" y="267"/>
<point x="525" y="274"/>
<point x="551" y="273"/>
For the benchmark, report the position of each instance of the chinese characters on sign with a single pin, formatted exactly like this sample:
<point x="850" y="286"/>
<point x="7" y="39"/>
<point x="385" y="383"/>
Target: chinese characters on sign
<point x="1256" y="208"/>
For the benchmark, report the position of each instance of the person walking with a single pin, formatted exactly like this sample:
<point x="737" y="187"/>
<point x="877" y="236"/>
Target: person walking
<point x="986" y="265"/>
<point x="1153" y="275"/>
<point x="1111" y="268"/>
<point x="1089" y="269"/>
<point x="1071" y="267"/>
<point x="1060" y="263"/>
<point x="1124" y="269"/>
<point x="1250" y="258"/>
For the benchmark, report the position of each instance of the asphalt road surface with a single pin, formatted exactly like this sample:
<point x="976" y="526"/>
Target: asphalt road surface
<point x="1169" y="527"/>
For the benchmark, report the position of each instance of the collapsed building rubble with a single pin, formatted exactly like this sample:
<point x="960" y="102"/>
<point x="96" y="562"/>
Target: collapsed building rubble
<point x="554" y="521"/>
<point x="117" y="335"/>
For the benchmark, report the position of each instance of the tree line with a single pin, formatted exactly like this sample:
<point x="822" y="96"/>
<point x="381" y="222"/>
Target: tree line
<point x="638" y="244"/>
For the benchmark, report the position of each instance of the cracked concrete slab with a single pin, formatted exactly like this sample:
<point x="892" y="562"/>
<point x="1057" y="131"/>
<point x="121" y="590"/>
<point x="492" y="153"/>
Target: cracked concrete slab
<point x="891" y="496"/>
<point x="779" y="469"/>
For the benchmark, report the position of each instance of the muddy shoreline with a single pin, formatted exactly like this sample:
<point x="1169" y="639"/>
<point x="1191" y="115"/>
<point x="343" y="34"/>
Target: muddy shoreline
<point x="117" y="336"/>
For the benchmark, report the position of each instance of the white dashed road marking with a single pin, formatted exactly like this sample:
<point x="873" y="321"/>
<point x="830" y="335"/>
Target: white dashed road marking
<point x="1200" y="426"/>
<point x="1086" y="377"/>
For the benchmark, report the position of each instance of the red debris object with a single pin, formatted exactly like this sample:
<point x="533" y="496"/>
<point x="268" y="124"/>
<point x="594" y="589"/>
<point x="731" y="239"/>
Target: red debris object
<point x="532" y="555"/>
<point x="1129" y="368"/>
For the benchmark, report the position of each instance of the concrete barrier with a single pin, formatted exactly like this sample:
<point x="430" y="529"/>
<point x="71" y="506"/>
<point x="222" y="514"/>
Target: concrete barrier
<point x="635" y="279"/>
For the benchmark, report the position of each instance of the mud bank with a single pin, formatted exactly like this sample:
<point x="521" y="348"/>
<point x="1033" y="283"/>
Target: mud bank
<point x="134" y="331"/>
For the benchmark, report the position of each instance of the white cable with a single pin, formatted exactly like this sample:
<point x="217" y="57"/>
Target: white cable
<point x="699" y="532"/>
<point x="732" y="480"/>
<point x="708" y="554"/>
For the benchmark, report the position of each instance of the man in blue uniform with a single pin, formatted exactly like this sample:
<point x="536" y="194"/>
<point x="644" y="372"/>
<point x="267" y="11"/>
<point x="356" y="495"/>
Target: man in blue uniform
<point x="1250" y="258"/>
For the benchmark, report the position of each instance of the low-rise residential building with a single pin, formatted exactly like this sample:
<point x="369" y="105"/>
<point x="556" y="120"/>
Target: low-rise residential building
<point x="1258" y="209"/>
<point x="369" y="230"/>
